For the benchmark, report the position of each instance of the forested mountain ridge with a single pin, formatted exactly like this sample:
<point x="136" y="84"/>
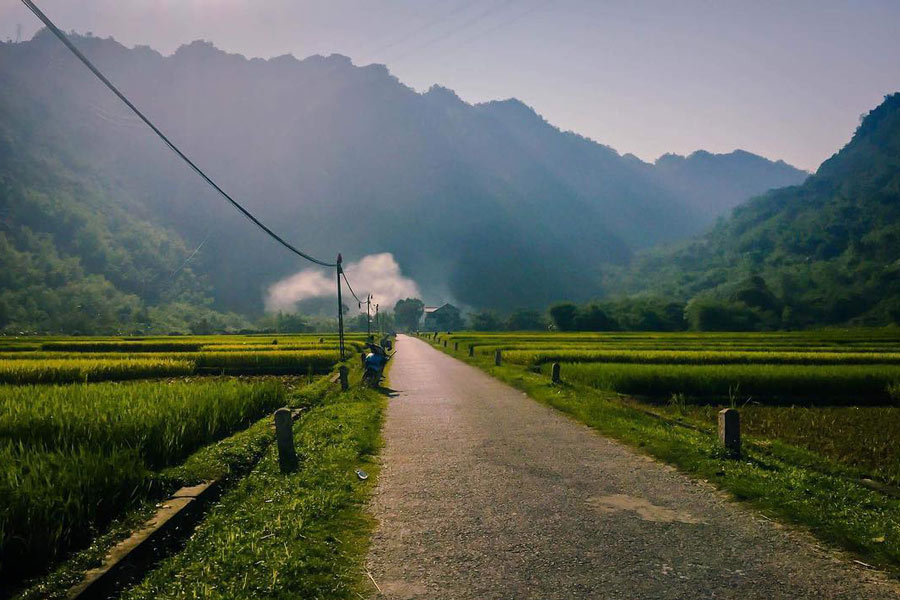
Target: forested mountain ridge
<point x="488" y="204"/>
<point x="824" y="252"/>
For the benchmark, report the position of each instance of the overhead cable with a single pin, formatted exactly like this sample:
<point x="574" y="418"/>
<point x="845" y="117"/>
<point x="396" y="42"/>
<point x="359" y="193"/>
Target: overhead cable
<point x="68" y="43"/>
<point x="344" y="275"/>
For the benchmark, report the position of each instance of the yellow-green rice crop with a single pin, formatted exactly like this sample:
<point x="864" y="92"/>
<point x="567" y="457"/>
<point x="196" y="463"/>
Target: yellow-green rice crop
<point x="73" y="457"/>
<point x="291" y="361"/>
<point x="66" y="370"/>
<point x="699" y="357"/>
<point x="822" y="384"/>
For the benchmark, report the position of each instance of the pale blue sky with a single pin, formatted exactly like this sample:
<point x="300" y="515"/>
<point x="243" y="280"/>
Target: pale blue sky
<point x="785" y="79"/>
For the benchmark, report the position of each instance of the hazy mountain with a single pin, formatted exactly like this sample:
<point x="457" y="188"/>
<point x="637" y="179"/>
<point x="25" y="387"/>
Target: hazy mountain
<point x="826" y="251"/>
<point x="487" y="205"/>
<point x="713" y="184"/>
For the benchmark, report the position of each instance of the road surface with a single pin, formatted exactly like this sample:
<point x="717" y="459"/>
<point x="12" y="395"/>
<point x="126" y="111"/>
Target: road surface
<point x="485" y="493"/>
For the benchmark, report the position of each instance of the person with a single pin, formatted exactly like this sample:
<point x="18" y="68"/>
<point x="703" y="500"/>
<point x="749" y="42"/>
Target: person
<point x="376" y="359"/>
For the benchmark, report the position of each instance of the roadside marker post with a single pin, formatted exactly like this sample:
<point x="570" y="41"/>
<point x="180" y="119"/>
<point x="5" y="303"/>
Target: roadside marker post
<point x="730" y="431"/>
<point x="344" y="372"/>
<point x="554" y="373"/>
<point x="284" y="436"/>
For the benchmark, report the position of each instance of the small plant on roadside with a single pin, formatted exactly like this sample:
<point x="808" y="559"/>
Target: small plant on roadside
<point x="678" y="401"/>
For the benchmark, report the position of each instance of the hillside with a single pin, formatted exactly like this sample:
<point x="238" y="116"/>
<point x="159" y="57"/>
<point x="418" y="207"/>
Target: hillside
<point x="824" y="252"/>
<point x="488" y="205"/>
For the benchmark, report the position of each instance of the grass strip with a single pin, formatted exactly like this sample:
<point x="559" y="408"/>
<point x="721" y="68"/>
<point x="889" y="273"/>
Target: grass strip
<point x="300" y="535"/>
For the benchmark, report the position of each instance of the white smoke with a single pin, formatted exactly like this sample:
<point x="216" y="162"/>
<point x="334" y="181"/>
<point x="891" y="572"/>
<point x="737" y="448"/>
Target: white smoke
<point x="376" y="274"/>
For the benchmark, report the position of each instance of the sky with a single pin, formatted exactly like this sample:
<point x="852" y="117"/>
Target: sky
<point x="788" y="79"/>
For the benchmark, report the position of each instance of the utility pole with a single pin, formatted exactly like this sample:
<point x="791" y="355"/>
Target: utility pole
<point x="340" y="307"/>
<point x="368" y="316"/>
<point x="378" y="323"/>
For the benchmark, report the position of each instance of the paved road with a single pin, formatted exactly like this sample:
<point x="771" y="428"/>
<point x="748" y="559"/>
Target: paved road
<point x="484" y="493"/>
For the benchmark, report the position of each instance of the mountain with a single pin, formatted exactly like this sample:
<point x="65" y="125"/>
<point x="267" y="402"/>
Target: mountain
<point x="487" y="205"/>
<point x="824" y="252"/>
<point x="713" y="184"/>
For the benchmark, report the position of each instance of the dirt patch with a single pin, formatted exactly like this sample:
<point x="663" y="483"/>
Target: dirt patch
<point x="641" y="507"/>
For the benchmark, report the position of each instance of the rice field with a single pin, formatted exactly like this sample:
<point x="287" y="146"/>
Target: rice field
<point x="91" y="428"/>
<point x="835" y="393"/>
<point x="42" y="370"/>
<point x="75" y="456"/>
<point x="767" y="383"/>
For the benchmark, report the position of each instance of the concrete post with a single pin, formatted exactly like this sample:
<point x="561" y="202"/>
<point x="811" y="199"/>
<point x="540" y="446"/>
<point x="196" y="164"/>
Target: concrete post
<point x="554" y="373"/>
<point x="445" y="343"/>
<point x="284" y="436"/>
<point x="455" y="346"/>
<point x="498" y="357"/>
<point x="730" y="430"/>
<point x="471" y="349"/>
<point x="344" y="372"/>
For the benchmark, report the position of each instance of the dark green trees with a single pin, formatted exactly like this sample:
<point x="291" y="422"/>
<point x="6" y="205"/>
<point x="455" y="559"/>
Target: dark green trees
<point x="408" y="313"/>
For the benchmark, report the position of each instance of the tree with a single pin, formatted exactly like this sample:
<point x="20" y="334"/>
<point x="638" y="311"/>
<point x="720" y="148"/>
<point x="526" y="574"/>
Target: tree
<point x="563" y="316"/>
<point x="593" y="318"/>
<point x="485" y="321"/>
<point x="526" y="320"/>
<point x="407" y="313"/>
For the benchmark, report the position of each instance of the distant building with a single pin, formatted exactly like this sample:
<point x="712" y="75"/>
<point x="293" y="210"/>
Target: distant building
<point x="442" y="318"/>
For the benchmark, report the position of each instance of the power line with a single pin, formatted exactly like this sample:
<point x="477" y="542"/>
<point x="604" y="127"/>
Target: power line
<point x="344" y="275"/>
<point x="492" y="9"/>
<point x="193" y="254"/>
<point x="65" y="40"/>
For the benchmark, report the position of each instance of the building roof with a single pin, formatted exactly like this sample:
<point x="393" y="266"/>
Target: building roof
<point x="433" y="309"/>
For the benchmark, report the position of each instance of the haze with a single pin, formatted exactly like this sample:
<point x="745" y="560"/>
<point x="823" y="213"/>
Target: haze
<point x="787" y="81"/>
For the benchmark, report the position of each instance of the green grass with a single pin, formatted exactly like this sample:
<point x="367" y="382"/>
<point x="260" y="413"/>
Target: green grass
<point x="74" y="457"/>
<point x="301" y="535"/>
